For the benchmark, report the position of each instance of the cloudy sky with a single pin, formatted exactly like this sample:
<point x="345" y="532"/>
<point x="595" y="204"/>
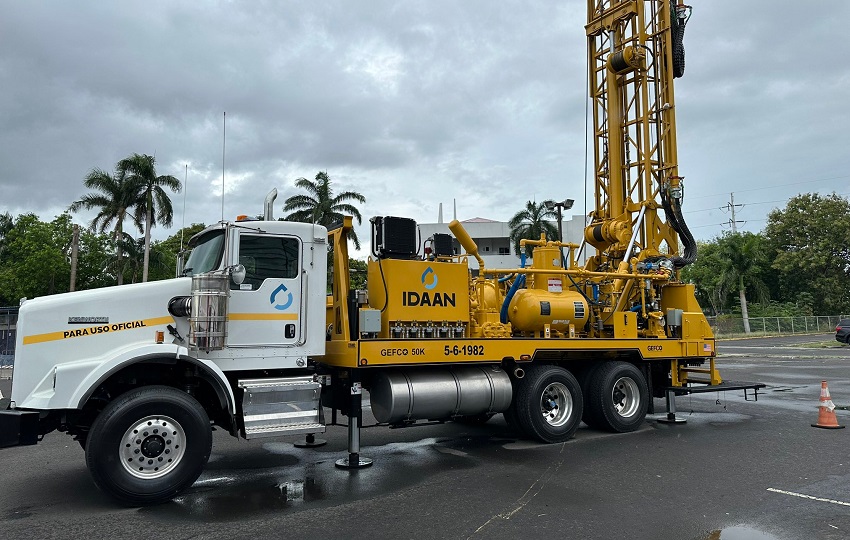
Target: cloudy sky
<point x="409" y="103"/>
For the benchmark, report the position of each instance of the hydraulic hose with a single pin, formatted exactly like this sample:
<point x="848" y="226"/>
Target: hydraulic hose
<point x="518" y="282"/>
<point x="677" y="28"/>
<point x="673" y="213"/>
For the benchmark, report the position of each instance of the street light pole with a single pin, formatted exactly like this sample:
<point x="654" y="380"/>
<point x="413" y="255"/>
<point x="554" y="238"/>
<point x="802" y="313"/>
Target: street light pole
<point x="566" y="204"/>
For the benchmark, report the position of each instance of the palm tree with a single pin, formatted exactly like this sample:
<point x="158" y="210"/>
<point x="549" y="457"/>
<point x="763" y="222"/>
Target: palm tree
<point x="154" y="204"/>
<point x="530" y="223"/>
<point x="116" y="198"/>
<point x="134" y="248"/>
<point x="321" y="206"/>
<point x="741" y="255"/>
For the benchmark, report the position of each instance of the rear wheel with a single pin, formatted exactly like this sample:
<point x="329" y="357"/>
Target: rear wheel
<point x="149" y="445"/>
<point x="618" y="397"/>
<point x="548" y="403"/>
<point x="584" y="376"/>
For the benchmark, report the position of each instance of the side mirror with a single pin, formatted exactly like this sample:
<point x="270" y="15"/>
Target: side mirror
<point x="237" y="274"/>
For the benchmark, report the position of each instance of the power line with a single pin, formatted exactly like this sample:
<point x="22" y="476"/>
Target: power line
<point x="777" y="185"/>
<point x="731" y="206"/>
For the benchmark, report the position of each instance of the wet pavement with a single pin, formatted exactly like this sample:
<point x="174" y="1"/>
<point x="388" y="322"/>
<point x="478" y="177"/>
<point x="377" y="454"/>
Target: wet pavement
<point x="736" y="470"/>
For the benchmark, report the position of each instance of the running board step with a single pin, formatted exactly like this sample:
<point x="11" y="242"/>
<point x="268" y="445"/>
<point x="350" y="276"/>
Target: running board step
<point x="286" y="405"/>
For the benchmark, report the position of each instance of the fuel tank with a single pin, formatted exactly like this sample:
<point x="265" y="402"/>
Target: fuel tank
<point x="437" y="393"/>
<point x="531" y="309"/>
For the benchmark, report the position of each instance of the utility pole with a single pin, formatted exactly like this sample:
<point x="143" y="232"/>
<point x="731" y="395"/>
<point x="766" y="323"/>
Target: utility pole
<point x="731" y="206"/>
<point x="75" y="243"/>
<point x="742" y="292"/>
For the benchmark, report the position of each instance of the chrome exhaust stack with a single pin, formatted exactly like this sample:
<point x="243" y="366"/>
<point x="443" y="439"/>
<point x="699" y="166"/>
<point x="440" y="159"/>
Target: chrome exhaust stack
<point x="268" y="209"/>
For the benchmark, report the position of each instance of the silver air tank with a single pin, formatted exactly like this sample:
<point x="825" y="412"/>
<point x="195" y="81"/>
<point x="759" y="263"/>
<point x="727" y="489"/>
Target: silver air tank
<point x="436" y="393"/>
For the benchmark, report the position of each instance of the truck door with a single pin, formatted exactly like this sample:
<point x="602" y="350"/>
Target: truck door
<point x="266" y="309"/>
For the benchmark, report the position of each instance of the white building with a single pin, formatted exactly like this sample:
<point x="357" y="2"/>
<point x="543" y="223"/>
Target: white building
<point x="494" y="239"/>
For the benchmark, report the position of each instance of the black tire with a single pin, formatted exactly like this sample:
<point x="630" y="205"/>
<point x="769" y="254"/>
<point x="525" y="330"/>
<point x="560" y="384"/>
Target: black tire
<point x="548" y="404"/>
<point x="166" y="430"/>
<point x="584" y="376"/>
<point x="511" y="415"/>
<point x="618" y="398"/>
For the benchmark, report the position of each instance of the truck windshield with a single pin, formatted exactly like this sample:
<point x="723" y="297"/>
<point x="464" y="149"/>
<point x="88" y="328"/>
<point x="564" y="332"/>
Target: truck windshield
<point x="206" y="254"/>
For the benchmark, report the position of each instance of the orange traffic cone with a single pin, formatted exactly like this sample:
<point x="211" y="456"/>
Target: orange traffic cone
<point x="826" y="410"/>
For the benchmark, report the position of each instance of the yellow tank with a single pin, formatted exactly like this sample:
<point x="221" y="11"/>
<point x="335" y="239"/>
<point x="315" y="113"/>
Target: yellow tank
<point x="531" y="309"/>
<point x="547" y="258"/>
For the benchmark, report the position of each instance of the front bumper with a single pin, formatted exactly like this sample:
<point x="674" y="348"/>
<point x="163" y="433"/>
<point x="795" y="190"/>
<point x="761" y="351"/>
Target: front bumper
<point x="18" y="428"/>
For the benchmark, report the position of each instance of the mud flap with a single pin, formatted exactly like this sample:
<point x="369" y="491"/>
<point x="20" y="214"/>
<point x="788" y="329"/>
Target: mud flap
<point x="18" y="428"/>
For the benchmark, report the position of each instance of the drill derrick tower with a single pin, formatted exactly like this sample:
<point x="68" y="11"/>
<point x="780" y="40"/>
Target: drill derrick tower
<point x="635" y="51"/>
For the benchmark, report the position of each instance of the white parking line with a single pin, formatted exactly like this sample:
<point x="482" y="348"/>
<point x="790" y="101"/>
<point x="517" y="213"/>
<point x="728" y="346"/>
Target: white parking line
<point x="802" y="496"/>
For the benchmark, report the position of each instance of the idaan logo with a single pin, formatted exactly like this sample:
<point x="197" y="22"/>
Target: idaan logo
<point x="425" y="298"/>
<point x="429" y="282"/>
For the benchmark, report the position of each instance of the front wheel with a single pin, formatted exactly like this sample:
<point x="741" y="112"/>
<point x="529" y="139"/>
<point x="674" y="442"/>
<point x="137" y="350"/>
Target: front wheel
<point x="148" y="445"/>
<point x="548" y="403"/>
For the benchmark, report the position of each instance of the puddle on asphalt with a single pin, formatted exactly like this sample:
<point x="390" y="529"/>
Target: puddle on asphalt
<point x="231" y="489"/>
<point x="739" y="533"/>
<point x="716" y="419"/>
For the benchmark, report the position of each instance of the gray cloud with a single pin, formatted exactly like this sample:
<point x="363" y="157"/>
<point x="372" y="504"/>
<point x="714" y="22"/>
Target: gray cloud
<point x="410" y="103"/>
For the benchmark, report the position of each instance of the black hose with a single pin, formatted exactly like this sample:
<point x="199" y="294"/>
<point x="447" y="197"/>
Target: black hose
<point x="677" y="29"/>
<point x="673" y="213"/>
<point x="689" y="254"/>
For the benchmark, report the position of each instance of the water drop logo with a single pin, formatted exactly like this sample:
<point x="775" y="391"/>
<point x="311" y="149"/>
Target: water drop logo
<point x="432" y="284"/>
<point x="281" y="289"/>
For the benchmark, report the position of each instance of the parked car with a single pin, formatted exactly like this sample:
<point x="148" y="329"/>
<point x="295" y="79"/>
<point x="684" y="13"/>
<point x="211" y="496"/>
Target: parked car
<point x="842" y="331"/>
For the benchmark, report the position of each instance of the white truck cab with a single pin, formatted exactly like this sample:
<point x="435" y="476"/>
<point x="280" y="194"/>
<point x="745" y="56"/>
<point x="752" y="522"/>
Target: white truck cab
<point x="226" y="343"/>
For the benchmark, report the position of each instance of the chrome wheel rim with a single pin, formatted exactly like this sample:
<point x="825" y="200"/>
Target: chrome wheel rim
<point x="152" y="447"/>
<point x="556" y="404"/>
<point x="626" y="397"/>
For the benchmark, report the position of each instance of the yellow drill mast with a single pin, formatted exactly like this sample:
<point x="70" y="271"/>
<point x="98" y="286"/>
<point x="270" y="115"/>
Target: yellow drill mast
<point x="634" y="53"/>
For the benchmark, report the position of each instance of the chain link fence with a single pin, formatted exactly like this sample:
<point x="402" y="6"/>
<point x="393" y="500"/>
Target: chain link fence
<point x="813" y="324"/>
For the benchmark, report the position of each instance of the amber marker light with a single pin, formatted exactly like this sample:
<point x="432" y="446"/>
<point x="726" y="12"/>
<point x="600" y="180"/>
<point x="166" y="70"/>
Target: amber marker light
<point x="363" y="361"/>
<point x="160" y="336"/>
<point x="525" y="357"/>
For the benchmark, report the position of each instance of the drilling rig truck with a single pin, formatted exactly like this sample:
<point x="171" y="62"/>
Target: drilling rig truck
<point x="262" y="331"/>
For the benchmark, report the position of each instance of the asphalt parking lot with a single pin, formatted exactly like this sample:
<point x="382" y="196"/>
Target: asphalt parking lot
<point x="736" y="470"/>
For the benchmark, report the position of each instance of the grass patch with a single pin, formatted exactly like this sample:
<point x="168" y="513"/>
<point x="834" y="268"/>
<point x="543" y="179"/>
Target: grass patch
<point x="742" y="335"/>
<point x="821" y="345"/>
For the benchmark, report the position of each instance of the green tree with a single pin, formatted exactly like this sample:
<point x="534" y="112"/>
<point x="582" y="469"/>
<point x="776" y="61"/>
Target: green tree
<point x="153" y="203"/>
<point x="169" y="250"/>
<point x="741" y="255"/>
<point x="35" y="263"/>
<point x="357" y="270"/>
<point x="134" y="263"/>
<point x="732" y="263"/>
<point x="116" y="197"/>
<point x="811" y="239"/>
<point x="321" y="206"/>
<point x="7" y="222"/>
<point x="95" y="261"/>
<point x="530" y="222"/>
<point x="705" y="275"/>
